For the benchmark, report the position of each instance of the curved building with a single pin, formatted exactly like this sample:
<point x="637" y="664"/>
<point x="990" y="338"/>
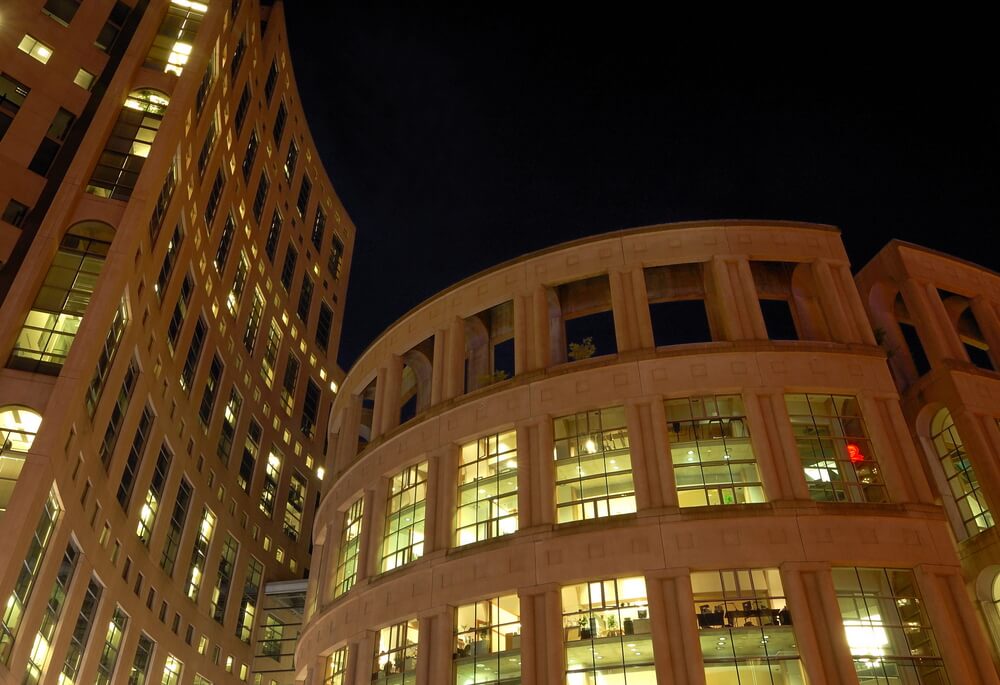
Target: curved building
<point x="176" y="264"/>
<point x="673" y="454"/>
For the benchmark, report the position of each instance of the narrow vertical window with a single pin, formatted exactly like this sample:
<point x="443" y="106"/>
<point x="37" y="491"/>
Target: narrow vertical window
<point x="963" y="484"/>
<point x="175" y="38"/>
<point x="837" y="458"/>
<point x="180" y="312"/>
<point x="279" y="123"/>
<point x="403" y="539"/>
<point x="169" y="260"/>
<point x="211" y="391"/>
<point x="395" y="659"/>
<point x="289" y="383"/>
<point x="319" y="227"/>
<point x="224" y="579"/>
<point x="12" y="95"/>
<point x="242" y="108"/>
<point x="487" y="489"/>
<point x="172" y="670"/>
<point x="488" y="641"/>
<point x="336" y="258"/>
<point x="199" y="555"/>
<point x="253" y="322"/>
<point x="176" y="528"/>
<point x="324" y="324"/>
<point x="112" y="645"/>
<point x="350" y="548"/>
<point x="288" y="268"/>
<point x="305" y="189"/>
<point x="118" y="411"/>
<point x="272" y="474"/>
<point x="336" y="668"/>
<point x="225" y="244"/>
<point x="238" y="52"/>
<point x="229" y="419"/>
<point x="139" y="671"/>
<point x="251" y="447"/>
<point x="305" y="300"/>
<point x="248" y="602"/>
<point x="260" y="197"/>
<point x="273" y="234"/>
<point x="270" y="357"/>
<point x="250" y="155"/>
<point x="193" y="355"/>
<point x="310" y="408"/>
<point x="81" y="632"/>
<point x="108" y="351"/>
<point x="295" y="505"/>
<point x="151" y="505"/>
<point x="214" y="197"/>
<point x="50" y="618"/>
<point x="239" y="283"/>
<point x="207" y="146"/>
<point x="272" y="80"/>
<point x="290" y="159"/>
<point x="134" y="459"/>
<point x="593" y="465"/>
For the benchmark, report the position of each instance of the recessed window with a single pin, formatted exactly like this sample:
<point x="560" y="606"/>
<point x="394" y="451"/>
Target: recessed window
<point x="84" y="79"/>
<point x="350" y="548"/>
<point x="62" y="11"/>
<point x="15" y="212"/>
<point x="113" y="26"/>
<point x="129" y="144"/>
<point x="963" y="483"/>
<point x="36" y="48"/>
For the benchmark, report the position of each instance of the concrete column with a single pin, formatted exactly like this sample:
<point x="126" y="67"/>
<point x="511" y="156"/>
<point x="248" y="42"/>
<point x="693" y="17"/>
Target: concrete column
<point x="675" y="635"/>
<point x="535" y="473"/>
<point x="436" y="646"/>
<point x="369" y="556"/>
<point x="389" y="407"/>
<point x="439" y="366"/>
<point x="625" y="310"/>
<point x="841" y="327"/>
<point x="780" y="441"/>
<point x="542" y="658"/>
<point x="818" y="624"/>
<point x="894" y="452"/>
<point x="937" y="335"/>
<point x="849" y="296"/>
<point x="454" y="374"/>
<point x="541" y="343"/>
<point x="441" y="493"/>
<point x="347" y="439"/>
<point x="651" y="471"/>
<point x="379" y="403"/>
<point x="965" y="651"/>
<point x="746" y="290"/>
<point x="780" y="472"/>
<point x="720" y="301"/>
<point x="640" y="301"/>
<point x="359" y="658"/>
<point x="989" y="324"/>
<point x="523" y="343"/>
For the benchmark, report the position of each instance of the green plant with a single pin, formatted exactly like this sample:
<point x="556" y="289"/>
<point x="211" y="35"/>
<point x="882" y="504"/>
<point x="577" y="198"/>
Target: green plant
<point x="582" y="350"/>
<point x="491" y="378"/>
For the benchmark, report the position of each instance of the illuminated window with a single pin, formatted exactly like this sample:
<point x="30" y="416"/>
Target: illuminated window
<point x="253" y="321"/>
<point x="239" y="283"/>
<point x="199" y="555"/>
<point x="336" y="668"/>
<point x="272" y="474"/>
<point x="171" y="48"/>
<point x="172" y="671"/>
<point x="250" y="155"/>
<point x="336" y="258"/>
<point x="395" y="661"/>
<point x="53" y="611"/>
<point x="248" y="461"/>
<point x="134" y="459"/>
<point x="81" y="632"/>
<point x="176" y="529"/>
<point x="745" y="628"/>
<point x="606" y="627"/>
<point x="593" y="465"/>
<point x="140" y="664"/>
<point x="229" y="418"/>
<point x="84" y="79"/>
<point x="108" y="351"/>
<point x="13" y="609"/>
<point x="51" y="325"/>
<point x="112" y="645"/>
<point x="711" y="453"/>
<point x="403" y="540"/>
<point x="487" y="489"/>
<point x="151" y="505"/>
<point x="960" y="474"/>
<point x="36" y="48"/>
<point x="270" y="357"/>
<point x="271" y="638"/>
<point x="18" y="426"/>
<point x="224" y="579"/>
<point x="295" y="505"/>
<point x="193" y="354"/>
<point x="211" y="390"/>
<point x="273" y="234"/>
<point x="888" y="632"/>
<point x="837" y="458"/>
<point x="310" y="409"/>
<point x="290" y="159"/>
<point x="488" y="641"/>
<point x="128" y="146"/>
<point x="248" y="602"/>
<point x="350" y="548"/>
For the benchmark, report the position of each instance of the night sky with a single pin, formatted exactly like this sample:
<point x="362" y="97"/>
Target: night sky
<point x="459" y="138"/>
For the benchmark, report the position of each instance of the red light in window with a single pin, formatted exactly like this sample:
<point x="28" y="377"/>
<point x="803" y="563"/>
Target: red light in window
<point x="854" y="453"/>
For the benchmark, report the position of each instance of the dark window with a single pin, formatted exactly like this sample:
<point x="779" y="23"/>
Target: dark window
<point x="253" y="322"/>
<point x="194" y="354"/>
<point x="169" y="259"/>
<point x="211" y="390"/>
<point x="323" y="325"/>
<point x="120" y="407"/>
<point x="180" y="311"/>
<point x="310" y="408"/>
<point x="242" y="107"/>
<point x="62" y="11"/>
<point x="134" y="458"/>
<point x="290" y="159"/>
<point x="250" y="155"/>
<point x="176" y="529"/>
<point x="205" y="87"/>
<point x="288" y="268"/>
<point x="272" y="81"/>
<point x="234" y="8"/>
<point x="302" y="204"/>
<point x="12" y="94"/>
<point x="50" y="144"/>
<point x="249" y="459"/>
<point x="680" y="322"/>
<point x="271" y="246"/>
<point x="163" y="201"/>
<point x="108" y="351"/>
<point x="279" y="123"/>
<point x="241" y="48"/>
<point x="112" y="27"/>
<point x="598" y="329"/>
<point x="206" y="148"/>
<point x="212" y="205"/>
<point x="305" y="299"/>
<point x="15" y="212"/>
<point x="290" y="380"/>
<point x="917" y="352"/>
<point x="225" y="244"/>
<point x="319" y="226"/>
<point x="778" y="319"/>
<point x="336" y="258"/>
<point x="260" y="198"/>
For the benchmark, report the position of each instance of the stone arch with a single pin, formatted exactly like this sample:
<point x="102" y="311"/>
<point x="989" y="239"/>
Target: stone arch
<point x="415" y="384"/>
<point x="808" y="308"/>
<point x="477" y="352"/>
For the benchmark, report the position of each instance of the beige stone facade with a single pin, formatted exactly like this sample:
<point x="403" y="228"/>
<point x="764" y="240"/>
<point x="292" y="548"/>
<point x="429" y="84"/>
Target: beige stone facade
<point x="172" y="299"/>
<point x="707" y="502"/>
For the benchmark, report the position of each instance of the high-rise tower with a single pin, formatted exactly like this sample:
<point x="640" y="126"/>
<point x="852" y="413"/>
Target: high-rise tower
<point x="175" y="269"/>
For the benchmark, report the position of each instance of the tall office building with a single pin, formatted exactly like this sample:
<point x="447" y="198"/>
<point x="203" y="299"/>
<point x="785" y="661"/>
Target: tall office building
<point x="175" y="267"/>
<point x="668" y="455"/>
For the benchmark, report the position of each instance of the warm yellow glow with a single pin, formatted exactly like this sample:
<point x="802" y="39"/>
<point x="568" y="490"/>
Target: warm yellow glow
<point x="865" y="639"/>
<point x="188" y="4"/>
<point x="589" y="446"/>
<point x="39" y="650"/>
<point x="333" y="386"/>
<point x="273" y="460"/>
<point x="320" y="472"/>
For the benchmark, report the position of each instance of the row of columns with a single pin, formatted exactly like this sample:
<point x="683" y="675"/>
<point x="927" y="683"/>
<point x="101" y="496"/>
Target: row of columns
<point x="731" y="303"/>
<point x="773" y="443"/>
<point x="809" y="590"/>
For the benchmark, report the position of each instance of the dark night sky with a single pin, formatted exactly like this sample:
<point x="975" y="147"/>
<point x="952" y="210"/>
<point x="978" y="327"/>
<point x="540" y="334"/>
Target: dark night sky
<point x="459" y="138"/>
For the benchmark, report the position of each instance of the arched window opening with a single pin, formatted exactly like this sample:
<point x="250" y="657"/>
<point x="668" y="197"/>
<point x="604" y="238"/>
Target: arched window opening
<point x="55" y="316"/>
<point x="172" y="46"/>
<point x="489" y="346"/>
<point x="415" y="384"/>
<point x="118" y="168"/>
<point x="960" y="475"/>
<point x="967" y="327"/>
<point x="18" y="426"/>
<point x="581" y="320"/>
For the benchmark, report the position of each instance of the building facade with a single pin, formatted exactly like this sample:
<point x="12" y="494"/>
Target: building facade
<point x="175" y="267"/>
<point x="673" y="454"/>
